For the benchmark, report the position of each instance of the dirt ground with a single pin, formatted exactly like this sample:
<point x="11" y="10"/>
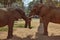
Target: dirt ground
<point x="30" y="34"/>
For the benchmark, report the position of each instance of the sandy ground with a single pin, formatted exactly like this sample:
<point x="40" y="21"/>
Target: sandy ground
<point x="30" y="34"/>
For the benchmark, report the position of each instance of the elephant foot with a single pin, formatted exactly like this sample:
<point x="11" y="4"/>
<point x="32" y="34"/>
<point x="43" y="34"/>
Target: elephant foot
<point x="9" y="37"/>
<point x="46" y="34"/>
<point x="25" y="26"/>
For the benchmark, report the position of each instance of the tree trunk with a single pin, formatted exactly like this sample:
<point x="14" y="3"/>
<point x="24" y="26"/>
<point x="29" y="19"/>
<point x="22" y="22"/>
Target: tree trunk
<point x="7" y="3"/>
<point x="41" y="1"/>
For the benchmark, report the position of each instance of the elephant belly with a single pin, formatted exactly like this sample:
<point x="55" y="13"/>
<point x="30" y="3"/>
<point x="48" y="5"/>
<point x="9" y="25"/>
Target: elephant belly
<point x="3" y="22"/>
<point x="55" y="20"/>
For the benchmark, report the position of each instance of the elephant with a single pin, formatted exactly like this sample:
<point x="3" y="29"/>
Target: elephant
<point x="46" y="14"/>
<point x="9" y="15"/>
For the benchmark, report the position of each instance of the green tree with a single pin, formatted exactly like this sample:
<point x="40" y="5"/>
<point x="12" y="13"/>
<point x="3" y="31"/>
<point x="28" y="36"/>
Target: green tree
<point x="30" y="5"/>
<point x="21" y="4"/>
<point x="7" y="3"/>
<point x="50" y="2"/>
<point x="41" y="1"/>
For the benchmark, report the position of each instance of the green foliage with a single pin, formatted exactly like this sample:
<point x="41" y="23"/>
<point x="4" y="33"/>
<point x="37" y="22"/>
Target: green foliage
<point x="3" y="29"/>
<point x="30" y="5"/>
<point x="1" y="1"/>
<point x="57" y="3"/>
<point x="19" y="26"/>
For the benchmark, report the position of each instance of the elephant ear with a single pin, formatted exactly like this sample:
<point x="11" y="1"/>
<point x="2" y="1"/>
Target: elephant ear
<point x="14" y="15"/>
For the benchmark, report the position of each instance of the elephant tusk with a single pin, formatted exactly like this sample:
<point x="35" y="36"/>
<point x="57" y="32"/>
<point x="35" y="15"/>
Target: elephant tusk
<point x="31" y="16"/>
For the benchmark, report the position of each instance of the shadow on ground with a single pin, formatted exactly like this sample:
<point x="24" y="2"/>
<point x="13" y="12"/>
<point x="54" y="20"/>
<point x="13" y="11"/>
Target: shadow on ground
<point x="38" y="37"/>
<point x="44" y="37"/>
<point x="19" y="38"/>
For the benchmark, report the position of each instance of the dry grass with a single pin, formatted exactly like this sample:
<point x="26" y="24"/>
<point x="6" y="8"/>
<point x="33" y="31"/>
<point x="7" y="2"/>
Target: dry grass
<point x="30" y="34"/>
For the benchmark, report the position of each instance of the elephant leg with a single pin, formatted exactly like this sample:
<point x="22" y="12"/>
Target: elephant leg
<point x="10" y="29"/>
<point x="46" y="22"/>
<point x="45" y="28"/>
<point x="29" y="24"/>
